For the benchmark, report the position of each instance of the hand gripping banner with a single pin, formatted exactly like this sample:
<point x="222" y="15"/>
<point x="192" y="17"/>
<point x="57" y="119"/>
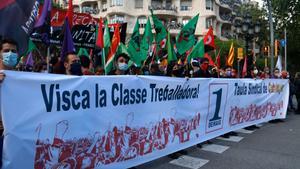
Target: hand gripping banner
<point x="57" y="121"/>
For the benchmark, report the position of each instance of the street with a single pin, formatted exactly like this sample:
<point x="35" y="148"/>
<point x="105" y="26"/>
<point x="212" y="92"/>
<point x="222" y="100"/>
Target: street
<point x="272" y="146"/>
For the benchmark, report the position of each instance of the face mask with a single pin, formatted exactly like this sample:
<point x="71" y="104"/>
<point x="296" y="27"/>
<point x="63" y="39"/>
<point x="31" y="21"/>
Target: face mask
<point x="123" y="66"/>
<point x="196" y="69"/>
<point x="76" y="69"/>
<point x="228" y="73"/>
<point x="255" y="71"/>
<point x="10" y="59"/>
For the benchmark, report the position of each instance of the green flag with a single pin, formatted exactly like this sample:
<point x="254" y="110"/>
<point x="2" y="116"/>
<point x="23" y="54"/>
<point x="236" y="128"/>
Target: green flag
<point x="147" y="40"/>
<point x="160" y="29"/>
<point x="134" y="45"/>
<point x="106" y="36"/>
<point x="122" y="49"/>
<point x="83" y="52"/>
<point x="197" y="52"/>
<point x="185" y="40"/>
<point x="31" y="47"/>
<point x="171" y="53"/>
<point x="106" y="45"/>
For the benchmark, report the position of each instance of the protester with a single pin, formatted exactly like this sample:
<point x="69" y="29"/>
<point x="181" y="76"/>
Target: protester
<point x="8" y="61"/>
<point x="85" y="65"/>
<point x="121" y="65"/>
<point x="203" y="71"/>
<point x="297" y="86"/>
<point x="72" y="64"/>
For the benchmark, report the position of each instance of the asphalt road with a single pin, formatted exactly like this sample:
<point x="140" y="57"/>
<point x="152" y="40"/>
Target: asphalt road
<point x="272" y="146"/>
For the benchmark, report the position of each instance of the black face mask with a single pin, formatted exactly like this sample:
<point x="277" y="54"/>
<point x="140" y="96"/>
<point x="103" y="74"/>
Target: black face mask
<point x="76" y="69"/>
<point x="177" y="72"/>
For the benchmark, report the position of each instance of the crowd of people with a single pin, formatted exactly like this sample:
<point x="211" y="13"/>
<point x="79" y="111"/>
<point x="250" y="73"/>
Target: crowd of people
<point x="81" y="65"/>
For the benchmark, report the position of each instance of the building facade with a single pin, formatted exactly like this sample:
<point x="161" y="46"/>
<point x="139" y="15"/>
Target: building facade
<point x="173" y="13"/>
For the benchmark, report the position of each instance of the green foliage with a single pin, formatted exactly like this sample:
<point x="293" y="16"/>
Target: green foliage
<point x="287" y="15"/>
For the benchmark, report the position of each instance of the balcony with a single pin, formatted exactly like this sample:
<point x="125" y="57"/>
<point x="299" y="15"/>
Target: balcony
<point x="223" y="3"/>
<point x="164" y="10"/>
<point x="226" y="17"/>
<point x="174" y="25"/>
<point x="90" y="10"/>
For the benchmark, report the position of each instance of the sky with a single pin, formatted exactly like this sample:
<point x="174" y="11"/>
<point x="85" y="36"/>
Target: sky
<point x="260" y="2"/>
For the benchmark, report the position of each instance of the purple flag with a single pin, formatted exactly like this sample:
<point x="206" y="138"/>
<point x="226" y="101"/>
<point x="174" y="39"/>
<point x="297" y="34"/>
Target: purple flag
<point x="45" y="12"/>
<point x="29" y="61"/>
<point x="68" y="45"/>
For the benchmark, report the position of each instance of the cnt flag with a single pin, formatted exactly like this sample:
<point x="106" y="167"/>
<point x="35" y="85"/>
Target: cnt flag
<point x="43" y="24"/>
<point x="17" y="18"/>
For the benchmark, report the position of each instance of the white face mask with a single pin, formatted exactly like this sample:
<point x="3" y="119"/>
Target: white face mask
<point x="123" y="66"/>
<point x="255" y="71"/>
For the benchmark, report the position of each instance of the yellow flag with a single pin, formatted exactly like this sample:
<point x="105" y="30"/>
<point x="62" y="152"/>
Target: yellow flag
<point x="230" y="57"/>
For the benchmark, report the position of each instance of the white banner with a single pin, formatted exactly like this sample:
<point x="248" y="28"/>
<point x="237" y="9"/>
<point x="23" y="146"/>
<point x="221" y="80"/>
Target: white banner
<point x="57" y="121"/>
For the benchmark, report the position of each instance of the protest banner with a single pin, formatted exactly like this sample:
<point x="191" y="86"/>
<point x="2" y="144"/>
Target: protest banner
<point x="123" y="121"/>
<point x="84" y="36"/>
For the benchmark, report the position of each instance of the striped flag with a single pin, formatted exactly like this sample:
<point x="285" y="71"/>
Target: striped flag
<point x="113" y="49"/>
<point x="230" y="57"/>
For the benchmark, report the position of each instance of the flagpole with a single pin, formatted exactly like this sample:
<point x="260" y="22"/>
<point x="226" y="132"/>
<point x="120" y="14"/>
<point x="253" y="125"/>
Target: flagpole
<point x="285" y="50"/>
<point x="48" y="59"/>
<point x="238" y="67"/>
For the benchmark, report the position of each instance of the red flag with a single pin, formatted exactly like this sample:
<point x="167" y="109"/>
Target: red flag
<point x="100" y="42"/>
<point x="70" y="13"/>
<point x="209" y="40"/>
<point x="114" y="44"/>
<point x="211" y="62"/>
<point x="244" y="72"/>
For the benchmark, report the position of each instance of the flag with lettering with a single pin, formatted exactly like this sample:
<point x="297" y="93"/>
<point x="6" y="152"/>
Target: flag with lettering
<point x="43" y="25"/>
<point x="186" y="39"/>
<point x="17" y="19"/>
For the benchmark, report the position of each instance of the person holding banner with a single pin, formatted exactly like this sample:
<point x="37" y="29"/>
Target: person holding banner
<point x="8" y="61"/>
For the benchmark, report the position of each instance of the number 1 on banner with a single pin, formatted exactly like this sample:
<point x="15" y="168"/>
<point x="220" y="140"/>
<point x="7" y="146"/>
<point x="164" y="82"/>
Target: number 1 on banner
<point x="216" y="106"/>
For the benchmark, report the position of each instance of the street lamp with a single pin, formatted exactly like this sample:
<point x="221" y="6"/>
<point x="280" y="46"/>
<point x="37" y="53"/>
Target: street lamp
<point x="248" y="30"/>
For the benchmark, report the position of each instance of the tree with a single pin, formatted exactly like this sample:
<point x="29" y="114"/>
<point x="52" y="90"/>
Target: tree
<point x="286" y="14"/>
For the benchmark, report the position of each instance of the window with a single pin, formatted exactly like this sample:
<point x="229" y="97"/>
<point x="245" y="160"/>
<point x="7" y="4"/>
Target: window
<point x="117" y="3"/>
<point x="138" y="3"/>
<point x="209" y="22"/>
<point x="142" y="21"/>
<point x="185" y="5"/>
<point x="104" y="6"/>
<point x="117" y="19"/>
<point x="156" y="4"/>
<point x="209" y="5"/>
